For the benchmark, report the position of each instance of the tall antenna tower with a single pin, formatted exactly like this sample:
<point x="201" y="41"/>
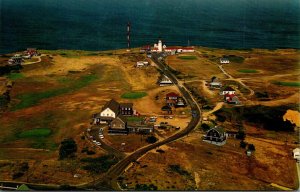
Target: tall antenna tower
<point x="128" y="36"/>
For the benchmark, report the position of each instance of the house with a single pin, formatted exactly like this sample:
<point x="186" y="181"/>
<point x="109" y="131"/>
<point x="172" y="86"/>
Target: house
<point x="15" y="60"/>
<point x="140" y="127"/>
<point x="216" y="134"/>
<point x="296" y="154"/>
<point x="231" y="99"/>
<point x="215" y="85"/>
<point x="164" y="81"/>
<point x="126" y="109"/>
<point x="180" y="102"/>
<point x="172" y="96"/>
<point x="142" y="64"/>
<point x="167" y="108"/>
<point x="228" y="90"/>
<point x="224" y="61"/>
<point x="118" y="126"/>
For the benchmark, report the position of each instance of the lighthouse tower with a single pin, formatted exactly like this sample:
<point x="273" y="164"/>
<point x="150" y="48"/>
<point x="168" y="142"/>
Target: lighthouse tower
<point x="160" y="46"/>
<point x="128" y="36"/>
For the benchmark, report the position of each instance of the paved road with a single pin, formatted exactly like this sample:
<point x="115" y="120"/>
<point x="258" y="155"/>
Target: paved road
<point x="110" y="180"/>
<point x="95" y="133"/>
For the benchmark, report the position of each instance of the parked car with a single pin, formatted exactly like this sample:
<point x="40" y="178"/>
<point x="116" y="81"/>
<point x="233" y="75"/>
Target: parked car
<point x="94" y="141"/>
<point x="101" y="136"/>
<point x="98" y="143"/>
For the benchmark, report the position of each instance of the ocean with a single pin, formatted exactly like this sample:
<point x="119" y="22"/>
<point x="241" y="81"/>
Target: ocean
<point x="101" y="24"/>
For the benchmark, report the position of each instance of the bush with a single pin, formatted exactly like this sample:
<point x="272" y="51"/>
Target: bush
<point x="176" y="168"/>
<point x="241" y="135"/>
<point x="251" y="147"/>
<point x="205" y="127"/>
<point x="17" y="175"/>
<point x="243" y="144"/>
<point x="151" y="139"/>
<point x="90" y="152"/>
<point x="145" y="187"/>
<point x="67" y="148"/>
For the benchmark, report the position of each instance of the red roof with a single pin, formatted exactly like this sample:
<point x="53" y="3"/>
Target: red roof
<point x="172" y="94"/>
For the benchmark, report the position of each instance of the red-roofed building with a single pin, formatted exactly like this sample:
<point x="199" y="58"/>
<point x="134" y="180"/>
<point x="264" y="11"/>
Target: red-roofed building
<point x="172" y="96"/>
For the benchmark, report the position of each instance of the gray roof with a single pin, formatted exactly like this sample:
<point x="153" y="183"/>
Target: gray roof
<point x="113" y="105"/>
<point x="218" y="129"/>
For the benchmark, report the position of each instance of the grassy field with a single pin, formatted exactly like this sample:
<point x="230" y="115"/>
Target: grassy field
<point x="188" y="57"/>
<point x="288" y="84"/>
<point x="247" y="71"/>
<point x="15" y="76"/>
<point x="31" y="99"/>
<point x="134" y="95"/>
<point x="34" y="133"/>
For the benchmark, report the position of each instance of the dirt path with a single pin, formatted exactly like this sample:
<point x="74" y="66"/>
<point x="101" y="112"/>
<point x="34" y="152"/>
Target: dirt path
<point x="236" y="80"/>
<point x="216" y="108"/>
<point x="34" y="62"/>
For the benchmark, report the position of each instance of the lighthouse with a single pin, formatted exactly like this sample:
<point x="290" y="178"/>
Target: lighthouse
<point x="128" y="36"/>
<point x="160" y="46"/>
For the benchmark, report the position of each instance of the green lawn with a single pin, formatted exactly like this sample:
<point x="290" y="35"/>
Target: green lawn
<point x="135" y="119"/>
<point x="288" y="84"/>
<point x="31" y="99"/>
<point x="133" y="95"/>
<point x="35" y="133"/>
<point x="189" y="57"/>
<point x="247" y="71"/>
<point x="15" y="76"/>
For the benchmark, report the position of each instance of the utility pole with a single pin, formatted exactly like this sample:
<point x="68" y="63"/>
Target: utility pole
<point x="128" y="36"/>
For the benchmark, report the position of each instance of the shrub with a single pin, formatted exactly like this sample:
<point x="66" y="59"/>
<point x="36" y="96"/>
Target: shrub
<point x="151" y="139"/>
<point x="17" y="175"/>
<point x="88" y="152"/>
<point x="67" y="148"/>
<point x="241" y="135"/>
<point x="251" y="147"/>
<point x="205" y="127"/>
<point x="243" y="144"/>
<point x="145" y="187"/>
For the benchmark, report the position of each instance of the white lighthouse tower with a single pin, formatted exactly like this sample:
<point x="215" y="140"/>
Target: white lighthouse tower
<point x="160" y="46"/>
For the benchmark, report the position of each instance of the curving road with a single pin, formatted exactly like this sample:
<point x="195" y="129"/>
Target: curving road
<point x="110" y="179"/>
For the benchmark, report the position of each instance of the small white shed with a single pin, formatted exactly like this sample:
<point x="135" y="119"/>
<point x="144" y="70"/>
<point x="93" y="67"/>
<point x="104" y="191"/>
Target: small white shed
<point x="296" y="153"/>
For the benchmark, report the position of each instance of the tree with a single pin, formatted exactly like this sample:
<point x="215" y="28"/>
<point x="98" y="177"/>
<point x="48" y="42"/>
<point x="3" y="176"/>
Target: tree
<point x="241" y="134"/>
<point x="151" y="139"/>
<point x="67" y="148"/>
<point x="251" y="147"/>
<point x="205" y="127"/>
<point x="243" y="144"/>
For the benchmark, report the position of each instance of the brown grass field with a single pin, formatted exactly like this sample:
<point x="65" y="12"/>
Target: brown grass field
<point x="63" y="91"/>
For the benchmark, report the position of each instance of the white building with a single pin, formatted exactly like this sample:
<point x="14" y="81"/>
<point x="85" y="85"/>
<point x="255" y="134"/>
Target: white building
<point x="160" y="46"/>
<point x="224" y="61"/>
<point x="296" y="153"/>
<point x="142" y="63"/>
<point x="228" y="91"/>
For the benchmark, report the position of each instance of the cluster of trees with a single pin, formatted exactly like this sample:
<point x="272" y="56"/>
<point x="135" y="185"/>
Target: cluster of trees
<point x="67" y="149"/>
<point x="4" y="100"/>
<point x="247" y="146"/>
<point x="9" y="68"/>
<point x="261" y="116"/>
<point x="145" y="187"/>
<point x="151" y="139"/>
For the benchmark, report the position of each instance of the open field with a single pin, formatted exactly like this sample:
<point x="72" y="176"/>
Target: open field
<point x="248" y="71"/>
<point x="211" y="167"/>
<point x="55" y="99"/>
